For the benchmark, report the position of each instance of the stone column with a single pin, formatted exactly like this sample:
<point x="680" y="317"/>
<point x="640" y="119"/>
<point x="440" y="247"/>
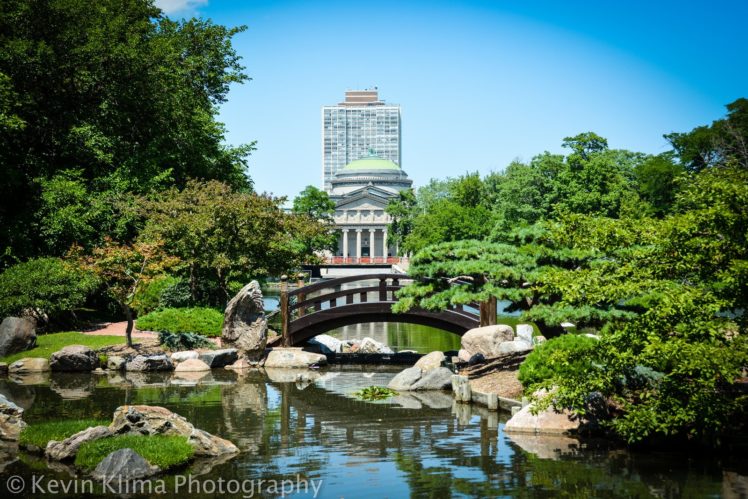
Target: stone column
<point x="384" y="242"/>
<point x="358" y="243"/>
<point x="345" y="243"/>
<point x="371" y="243"/>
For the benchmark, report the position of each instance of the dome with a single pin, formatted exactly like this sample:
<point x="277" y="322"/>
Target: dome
<point x="371" y="162"/>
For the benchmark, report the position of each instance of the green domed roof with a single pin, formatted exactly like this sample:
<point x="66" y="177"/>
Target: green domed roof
<point x="371" y="162"/>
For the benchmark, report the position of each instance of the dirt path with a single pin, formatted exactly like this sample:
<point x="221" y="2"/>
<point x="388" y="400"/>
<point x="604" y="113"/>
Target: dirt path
<point x="118" y="329"/>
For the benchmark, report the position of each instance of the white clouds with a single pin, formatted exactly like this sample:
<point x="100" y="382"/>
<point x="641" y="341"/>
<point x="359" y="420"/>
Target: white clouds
<point x="175" y="6"/>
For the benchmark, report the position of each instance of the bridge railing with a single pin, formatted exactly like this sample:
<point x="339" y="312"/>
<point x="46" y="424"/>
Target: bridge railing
<point x="325" y="295"/>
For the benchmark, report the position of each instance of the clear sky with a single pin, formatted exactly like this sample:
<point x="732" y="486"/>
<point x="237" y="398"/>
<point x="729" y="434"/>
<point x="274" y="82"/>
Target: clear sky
<point x="479" y="83"/>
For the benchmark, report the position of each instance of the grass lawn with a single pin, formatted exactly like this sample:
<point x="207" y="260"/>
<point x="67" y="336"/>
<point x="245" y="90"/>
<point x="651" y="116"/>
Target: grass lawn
<point x="201" y="320"/>
<point x="47" y="344"/>
<point x="160" y="450"/>
<point x="38" y="434"/>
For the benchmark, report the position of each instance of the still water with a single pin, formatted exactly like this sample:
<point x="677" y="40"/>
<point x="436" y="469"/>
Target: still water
<point x="409" y="446"/>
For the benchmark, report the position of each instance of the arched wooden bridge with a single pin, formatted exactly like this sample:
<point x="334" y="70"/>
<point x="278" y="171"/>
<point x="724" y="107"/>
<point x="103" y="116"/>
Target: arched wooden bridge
<point x="317" y="308"/>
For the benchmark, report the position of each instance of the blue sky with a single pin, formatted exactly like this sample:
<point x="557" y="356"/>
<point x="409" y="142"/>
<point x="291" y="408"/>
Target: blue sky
<point x="479" y="83"/>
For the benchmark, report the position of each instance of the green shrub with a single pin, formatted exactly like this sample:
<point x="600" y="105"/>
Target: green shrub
<point x="148" y="297"/>
<point x="45" y="286"/>
<point x="200" y="320"/>
<point x="176" y="295"/>
<point x="183" y="341"/>
<point x="160" y="450"/>
<point x="38" y="434"/>
<point x="555" y="358"/>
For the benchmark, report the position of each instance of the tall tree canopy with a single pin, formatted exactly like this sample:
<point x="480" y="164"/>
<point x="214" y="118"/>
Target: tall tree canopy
<point x="113" y="91"/>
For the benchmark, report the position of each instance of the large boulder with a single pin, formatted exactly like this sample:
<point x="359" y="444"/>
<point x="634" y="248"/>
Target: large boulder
<point x="414" y="379"/>
<point x="370" y="345"/>
<point x="74" y="358"/>
<point x="17" y="334"/>
<point x="178" y="357"/>
<point x="149" y="363"/>
<point x="327" y="344"/>
<point x="486" y="340"/>
<point x="517" y="345"/>
<point x="115" y="363"/>
<point x="68" y="448"/>
<point x="220" y="358"/>
<point x="153" y="420"/>
<point x="124" y="465"/>
<point x="11" y="423"/>
<point x="547" y="421"/>
<point x="525" y="332"/>
<point x="293" y="358"/>
<point x="29" y="365"/>
<point x="244" y="324"/>
<point x="192" y="365"/>
<point x="430" y="361"/>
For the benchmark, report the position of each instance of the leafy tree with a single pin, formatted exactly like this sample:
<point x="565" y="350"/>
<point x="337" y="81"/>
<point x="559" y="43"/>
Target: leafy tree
<point x="115" y="91"/>
<point x="125" y="268"/>
<point x="44" y="288"/>
<point x="224" y="237"/>
<point x="657" y="179"/>
<point x="402" y="210"/>
<point x="707" y="146"/>
<point x="314" y="203"/>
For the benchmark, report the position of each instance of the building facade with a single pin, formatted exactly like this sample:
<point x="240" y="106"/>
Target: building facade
<point x="361" y="191"/>
<point x="350" y="129"/>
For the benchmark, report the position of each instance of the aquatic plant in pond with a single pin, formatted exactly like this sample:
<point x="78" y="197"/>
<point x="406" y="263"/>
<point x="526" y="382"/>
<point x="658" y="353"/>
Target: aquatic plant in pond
<point x="375" y="393"/>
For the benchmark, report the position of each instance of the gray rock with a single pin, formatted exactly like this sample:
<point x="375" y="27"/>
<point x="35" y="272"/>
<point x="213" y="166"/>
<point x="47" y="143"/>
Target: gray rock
<point x="244" y="325"/>
<point x="369" y="345"/>
<point x="115" y="363"/>
<point x="281" y="375"/>
<point x="220" y="358"/>
<point x="430" y="361"/>
<point x="486" y="340"/>
<point x="192" y="365"/>
<point x="17" y="334"/>
<point x="435" y="379"/>
<point x="153" y="420"/>
<point x="74" y="358"/>
<point x="149" y="363"/>
<point x="123" y="465"/>
<point x="547" y="422"/>
<point x="3" y="368"/>
<point x="463" y="355"/>
<point x="11" y="423"/>
<point x="29" y="365"/>
<point x="537" y="340"/>
<point x="476" y="359"/>
<point x="68" y="448"/>
<point x="177" y="357"/>
<point x="405" y="379"/>
<point x="327" y="344"/>
<point x="514" y="346"/>
<point x="414" y="379"/>
<point x="293" y="358"/>
<point x="525" y="332"/>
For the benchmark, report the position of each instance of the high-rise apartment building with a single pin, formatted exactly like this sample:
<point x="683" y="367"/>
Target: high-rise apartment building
<point x="360" y="126"/>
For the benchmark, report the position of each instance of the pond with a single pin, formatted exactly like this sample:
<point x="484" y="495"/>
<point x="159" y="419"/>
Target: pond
<point x="408" y="446"/>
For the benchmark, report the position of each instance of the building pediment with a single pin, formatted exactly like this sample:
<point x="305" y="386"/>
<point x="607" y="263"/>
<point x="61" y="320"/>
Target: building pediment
<point x="366" y="198"/>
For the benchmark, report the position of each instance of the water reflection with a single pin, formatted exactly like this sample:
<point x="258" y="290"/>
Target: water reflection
<point x="418" y="445"/>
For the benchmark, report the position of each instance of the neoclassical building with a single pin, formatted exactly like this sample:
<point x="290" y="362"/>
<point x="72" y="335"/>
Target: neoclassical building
<point x="361" y="190"/>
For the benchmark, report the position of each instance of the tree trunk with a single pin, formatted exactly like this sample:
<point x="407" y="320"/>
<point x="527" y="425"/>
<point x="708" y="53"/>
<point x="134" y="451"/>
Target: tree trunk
<point x="128" y="331"/>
